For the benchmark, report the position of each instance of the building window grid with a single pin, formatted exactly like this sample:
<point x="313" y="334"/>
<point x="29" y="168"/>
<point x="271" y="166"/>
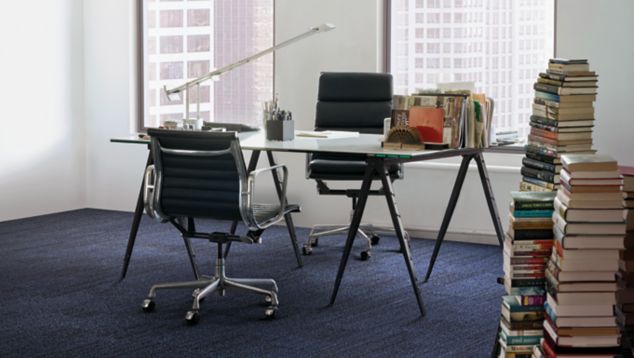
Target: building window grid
<point x="237" y="96"/>
<point x="511" y="100"/>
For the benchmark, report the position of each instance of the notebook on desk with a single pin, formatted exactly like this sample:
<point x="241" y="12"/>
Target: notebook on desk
<point x="229" y="127"/>
<point x="327" y="134"/>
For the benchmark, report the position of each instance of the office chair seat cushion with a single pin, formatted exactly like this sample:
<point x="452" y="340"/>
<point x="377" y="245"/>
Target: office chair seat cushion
<point x="329" y="167"/>
<point x="264" y="212"/>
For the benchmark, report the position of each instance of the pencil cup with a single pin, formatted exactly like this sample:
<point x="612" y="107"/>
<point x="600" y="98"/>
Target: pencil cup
<point x="280" y="130"/>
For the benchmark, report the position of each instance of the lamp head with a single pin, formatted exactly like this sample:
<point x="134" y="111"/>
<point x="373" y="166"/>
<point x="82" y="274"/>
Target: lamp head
<point x="324" y="27"/>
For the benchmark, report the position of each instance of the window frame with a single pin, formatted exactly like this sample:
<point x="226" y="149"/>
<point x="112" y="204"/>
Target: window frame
<point x="139" y="123"/>
<point x="387" y="65"/>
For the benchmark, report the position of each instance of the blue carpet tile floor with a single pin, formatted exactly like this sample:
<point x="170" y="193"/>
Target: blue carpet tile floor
<point x="59" y="297"/>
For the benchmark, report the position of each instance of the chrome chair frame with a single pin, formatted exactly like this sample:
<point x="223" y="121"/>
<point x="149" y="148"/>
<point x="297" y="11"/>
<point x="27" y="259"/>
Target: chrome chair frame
<point x="205" y="285"/>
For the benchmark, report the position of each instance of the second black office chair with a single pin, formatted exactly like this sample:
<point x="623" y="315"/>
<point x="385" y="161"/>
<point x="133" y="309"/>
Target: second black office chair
<point x="356" y="102"/>
<point x="202" y="175"/>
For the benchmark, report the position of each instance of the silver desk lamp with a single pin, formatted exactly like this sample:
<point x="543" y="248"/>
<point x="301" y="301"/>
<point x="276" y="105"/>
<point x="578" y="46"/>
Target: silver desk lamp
<point x="175" y="93"/>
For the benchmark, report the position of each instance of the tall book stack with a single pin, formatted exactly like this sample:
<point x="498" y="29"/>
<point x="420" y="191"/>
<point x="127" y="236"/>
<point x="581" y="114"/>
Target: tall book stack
<point x="625" y="277"/>
<point x="527" y="246"/>
<point x="628" y="196"/>
<point x="562" y="121"/>
<point x="580" y="279"/>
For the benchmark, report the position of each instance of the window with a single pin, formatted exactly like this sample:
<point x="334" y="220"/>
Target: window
<point x="502" y="45"/>
<point x="183" y="39"/>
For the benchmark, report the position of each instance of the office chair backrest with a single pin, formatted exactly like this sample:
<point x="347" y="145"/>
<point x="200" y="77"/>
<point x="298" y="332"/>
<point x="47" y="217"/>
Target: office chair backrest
<point x="199" y="174"/>
<point x="353" y="101"/>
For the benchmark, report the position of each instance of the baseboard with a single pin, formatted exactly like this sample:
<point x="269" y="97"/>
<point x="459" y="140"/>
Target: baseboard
<point x="431" y="234"/>
<point x="467" y="237"/>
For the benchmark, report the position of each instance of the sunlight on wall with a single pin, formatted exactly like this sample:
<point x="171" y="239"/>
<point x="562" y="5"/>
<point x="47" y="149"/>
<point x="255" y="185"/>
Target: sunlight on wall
<point x="40" y="107"/>
<point x="34" y="90"/>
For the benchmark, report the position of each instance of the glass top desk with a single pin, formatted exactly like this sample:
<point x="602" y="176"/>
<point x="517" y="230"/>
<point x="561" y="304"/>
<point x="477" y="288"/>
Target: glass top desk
<point x="378" y="160"/>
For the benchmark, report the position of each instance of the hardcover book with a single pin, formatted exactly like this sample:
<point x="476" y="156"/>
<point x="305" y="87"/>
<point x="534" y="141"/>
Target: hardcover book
<point x="585" y="162"/>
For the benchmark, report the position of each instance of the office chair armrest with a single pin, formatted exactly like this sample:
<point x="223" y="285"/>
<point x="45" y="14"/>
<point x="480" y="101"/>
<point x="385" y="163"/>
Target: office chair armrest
<point x="150" y="193"/>
<point x="282" y="194"/>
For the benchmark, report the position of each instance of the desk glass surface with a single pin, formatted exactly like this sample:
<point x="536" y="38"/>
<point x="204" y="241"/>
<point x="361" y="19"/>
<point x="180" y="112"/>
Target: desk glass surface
<point x="369" y="144"/>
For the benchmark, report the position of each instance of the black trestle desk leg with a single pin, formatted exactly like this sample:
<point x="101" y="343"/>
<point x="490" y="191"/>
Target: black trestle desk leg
<point x="253" y="163"/>
<point x="354" y="226"/>
<point x="400" y="234"/>
<point x="136" y="220"/>
<point x="488" y="193"/>
<point x="287" y="218"/>
<point x="453" y="199"/>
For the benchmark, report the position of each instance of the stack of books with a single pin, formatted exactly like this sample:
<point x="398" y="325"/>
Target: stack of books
<point x="562" y="121"/>
<point x="625" y="277"/>
<point x="580" y="279"/>
<point x="628" y="195"/>
<point x="528" y="245"/>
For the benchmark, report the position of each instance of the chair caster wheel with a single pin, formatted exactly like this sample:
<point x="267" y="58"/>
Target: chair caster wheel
<point x="365" y="255"/>
<point x="148" y="305"/>
<point x="192" y="318"/>
<point x="375" y="240"/>
<point x="269" y="313"/>
<point x="307" y="250"/>
<point x="315" y="243"/>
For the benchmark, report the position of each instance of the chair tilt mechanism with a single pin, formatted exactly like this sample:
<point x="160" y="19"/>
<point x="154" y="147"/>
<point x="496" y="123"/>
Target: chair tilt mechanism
<point x="202" y="175"/>
<point x="357" y="102"/>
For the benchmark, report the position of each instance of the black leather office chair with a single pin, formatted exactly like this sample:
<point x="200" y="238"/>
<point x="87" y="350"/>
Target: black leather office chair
<point x="202" y="175"/>
<point x="349" y="102"/>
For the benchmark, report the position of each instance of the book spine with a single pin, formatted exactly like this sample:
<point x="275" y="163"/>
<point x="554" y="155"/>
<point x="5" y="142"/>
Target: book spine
<point x="537" y="164"/>
<point x="533" y="300"/>
<point x="539" y="174"/>
<point x="544" y="133"/>
<point x="550" y="81"/>
<point x="528" y="260"/>
<point x="545" y="184"/>
<point x="544" y="121"/>
<point x="526" y="325"/>
<point x="553" y="76"/>
<point x="533" y="213"/>
<point x="544" y="127"/>
<point x="542" y="235"/>
<point x="536" y="205"/>
<point x="530" y="290"/>
<point x="541" y="157"/>
<point x="524" y="186"/>
<point x="546" y="88"/>
<point x="522" y="340"/>
<point x="527" y="282"/>
<point x="540" y="149"/>
<point x="547" y="96"/>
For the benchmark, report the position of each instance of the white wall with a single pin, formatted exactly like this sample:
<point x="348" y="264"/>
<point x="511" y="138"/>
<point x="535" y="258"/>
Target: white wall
<point x="41" y="122"/>
<point x="114" y="171"/>
<point x="603" y="32"/>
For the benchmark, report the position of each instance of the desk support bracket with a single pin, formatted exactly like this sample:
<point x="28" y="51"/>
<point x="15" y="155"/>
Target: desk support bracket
<point x="136" y="220"/>
<point x="377" y="166"/>
<point x="453" y="199"/>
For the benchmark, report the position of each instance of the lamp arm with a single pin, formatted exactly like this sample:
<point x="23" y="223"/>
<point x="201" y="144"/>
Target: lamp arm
<point x="244" y="61"/>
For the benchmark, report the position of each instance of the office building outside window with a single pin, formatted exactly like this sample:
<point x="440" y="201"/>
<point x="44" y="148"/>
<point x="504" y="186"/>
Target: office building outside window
<point x="183" y="39"/>
<point x="501" y="45"/>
